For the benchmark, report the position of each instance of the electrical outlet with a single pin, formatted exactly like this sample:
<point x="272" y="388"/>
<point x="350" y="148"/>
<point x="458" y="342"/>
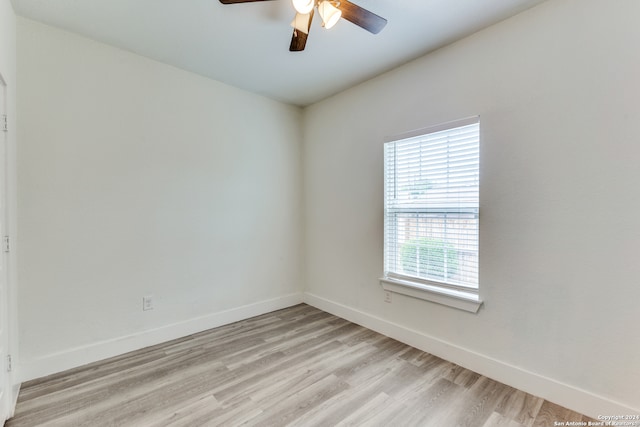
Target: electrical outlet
<point x="387" y="296"/>
<point x="147" y="303"/>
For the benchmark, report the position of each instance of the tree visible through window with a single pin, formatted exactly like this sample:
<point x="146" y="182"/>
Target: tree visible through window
<point x="432" y="205"/>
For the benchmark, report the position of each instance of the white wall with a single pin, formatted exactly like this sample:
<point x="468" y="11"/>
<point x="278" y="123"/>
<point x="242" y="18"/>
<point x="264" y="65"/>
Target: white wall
<point x="557" y="91"/>
<point x="136" y="178"/>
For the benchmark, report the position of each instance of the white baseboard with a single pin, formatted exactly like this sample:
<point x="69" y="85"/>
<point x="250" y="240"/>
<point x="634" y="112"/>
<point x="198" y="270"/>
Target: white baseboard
<point x="564" y="395"/>
<point x="15" y="391"/>
<point x="72" y="358"/>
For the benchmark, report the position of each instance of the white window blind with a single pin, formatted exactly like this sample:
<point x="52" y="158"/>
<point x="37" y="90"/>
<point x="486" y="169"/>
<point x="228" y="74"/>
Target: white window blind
<point x="431" y="199"/>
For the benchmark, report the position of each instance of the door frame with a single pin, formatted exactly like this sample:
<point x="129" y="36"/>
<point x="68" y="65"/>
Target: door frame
<point x="9" y="309"/>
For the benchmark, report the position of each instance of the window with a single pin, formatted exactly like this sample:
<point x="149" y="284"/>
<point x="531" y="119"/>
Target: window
<point x="431" y="208"/>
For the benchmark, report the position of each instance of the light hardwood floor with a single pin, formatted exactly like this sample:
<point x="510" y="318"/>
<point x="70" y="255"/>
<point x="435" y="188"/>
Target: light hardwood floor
<point x="299" y="366"/>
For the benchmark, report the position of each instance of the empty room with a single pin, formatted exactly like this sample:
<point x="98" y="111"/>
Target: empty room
<point x="320" y="213"/>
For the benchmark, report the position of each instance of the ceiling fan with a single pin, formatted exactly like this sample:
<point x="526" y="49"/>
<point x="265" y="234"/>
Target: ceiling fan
<point x="330" y="11"/>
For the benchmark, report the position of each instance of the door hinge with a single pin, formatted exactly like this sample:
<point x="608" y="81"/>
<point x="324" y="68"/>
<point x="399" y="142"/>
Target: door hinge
<point x="3" y="123"/>
<point x="6" y="246"/>
<point x="9" y="363"/>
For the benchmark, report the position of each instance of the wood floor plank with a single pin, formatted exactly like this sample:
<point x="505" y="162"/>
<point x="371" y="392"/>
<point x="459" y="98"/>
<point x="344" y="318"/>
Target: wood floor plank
<point x="183" y="413"/>
<point x="285" y="367"/>
<point x="298" y="366"/>
<point x="497" y="420"/>
<point x="431" y="406"/>
<point x="287" y="387"/>
<point x="480" y="402"/>
<point x="338" y="408"/>
<point x="550" y="414"/>
<point x="372" y="412"/>
<point x="520" y="407"/>
<point x="288" y="411"/>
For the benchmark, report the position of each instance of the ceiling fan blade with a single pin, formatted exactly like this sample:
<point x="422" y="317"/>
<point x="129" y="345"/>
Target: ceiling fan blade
<point x="239" y="1"/>
<point x="298" y="41"/>
<point x="300" y="31"/>
<point x="361" y="17"/>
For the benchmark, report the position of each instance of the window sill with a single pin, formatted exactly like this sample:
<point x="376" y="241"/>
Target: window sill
<point x="467" y="301"/>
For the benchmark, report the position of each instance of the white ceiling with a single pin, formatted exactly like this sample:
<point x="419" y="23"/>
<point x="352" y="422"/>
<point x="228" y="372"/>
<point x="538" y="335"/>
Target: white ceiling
<point x="247" y="45"/>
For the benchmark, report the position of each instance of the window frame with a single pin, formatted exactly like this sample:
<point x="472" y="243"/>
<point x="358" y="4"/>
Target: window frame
<point x="459" y="296"/>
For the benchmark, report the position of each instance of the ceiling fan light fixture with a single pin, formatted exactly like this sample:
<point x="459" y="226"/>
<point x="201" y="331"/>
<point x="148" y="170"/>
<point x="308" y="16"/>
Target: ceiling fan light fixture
<point x="303" y="6"/>
<point x="302" y="22"/>
<point x="329" y="14"/>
